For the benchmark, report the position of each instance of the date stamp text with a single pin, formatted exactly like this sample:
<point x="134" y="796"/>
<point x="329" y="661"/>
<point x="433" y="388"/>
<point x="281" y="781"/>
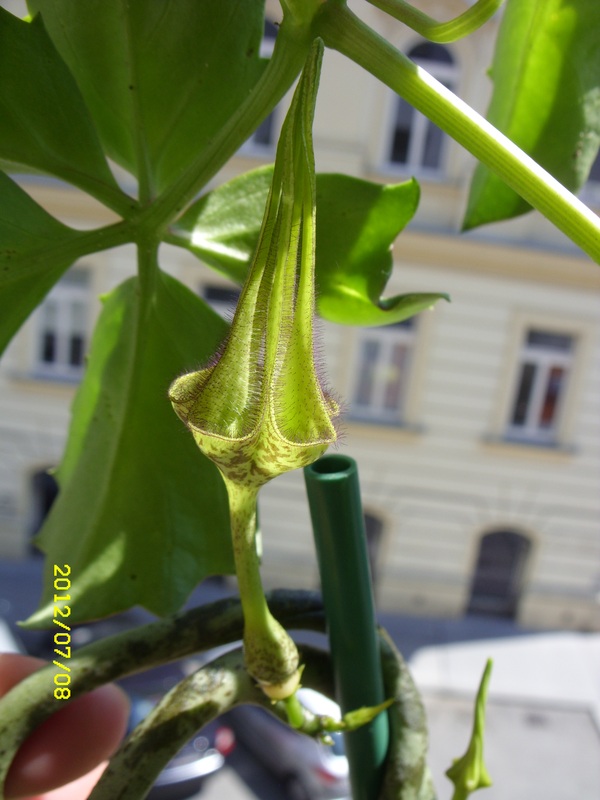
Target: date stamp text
<point x="62" y="637"/>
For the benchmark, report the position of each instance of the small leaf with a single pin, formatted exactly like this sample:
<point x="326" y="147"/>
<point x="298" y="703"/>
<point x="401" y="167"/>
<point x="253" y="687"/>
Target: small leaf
<point x="546" y="98"/>
<point x="141" y="516"/>
<point x="357" y="222"/>
<point x="160" y="79"/>
<point x="34" y="252"/>
<point x="354" y="259"/>
<point x="45" y="124"/>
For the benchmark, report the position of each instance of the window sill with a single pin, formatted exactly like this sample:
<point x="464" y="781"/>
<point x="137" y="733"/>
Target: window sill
<point x="37" y="378"/>
<point x="530" y="447"/>
<point x="385" y="427"/>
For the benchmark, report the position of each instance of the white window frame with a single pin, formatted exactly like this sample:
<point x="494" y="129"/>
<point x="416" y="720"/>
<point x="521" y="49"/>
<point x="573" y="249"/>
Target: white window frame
<point x="544" y="359"/>
<point x="387" y="337"/>
<point x="72" y="289"/>
<point x="448" y="74"/>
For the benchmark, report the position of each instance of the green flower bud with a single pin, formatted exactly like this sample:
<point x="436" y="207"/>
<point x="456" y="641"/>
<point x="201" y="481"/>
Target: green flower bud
<point x="469" y="773"/>
<point x="259" y="410"/>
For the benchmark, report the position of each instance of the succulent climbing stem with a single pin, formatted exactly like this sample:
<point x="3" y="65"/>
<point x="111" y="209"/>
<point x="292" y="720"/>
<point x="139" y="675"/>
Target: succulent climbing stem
<point x="270" y="653"/>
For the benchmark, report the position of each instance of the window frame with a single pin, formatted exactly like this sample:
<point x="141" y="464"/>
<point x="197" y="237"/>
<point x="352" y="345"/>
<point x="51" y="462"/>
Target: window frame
<point x="449" y="75"/>
<point x="485" y="578"/>
<point x="583" y="333"/>
<point x="544" y="359"/>
<point x="73" y="287"/>
<point x="385" y="336"/>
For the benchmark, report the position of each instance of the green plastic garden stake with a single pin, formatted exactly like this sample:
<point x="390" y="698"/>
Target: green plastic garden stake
<point x="338" y="526"/>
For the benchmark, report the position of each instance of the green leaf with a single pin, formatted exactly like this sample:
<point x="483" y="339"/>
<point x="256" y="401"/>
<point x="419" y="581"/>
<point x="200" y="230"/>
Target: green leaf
<point x="160" y="78"/>
<point x="45" y="124"/>
<point x="546" y="98"/>
<point x="35" y="249"/>
<point x="141" y="516"/>
<point x="357" y="221"/>
<point x="223" y="226"/>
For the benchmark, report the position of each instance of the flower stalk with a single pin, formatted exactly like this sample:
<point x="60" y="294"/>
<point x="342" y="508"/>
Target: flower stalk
<point x="259" y="410"/>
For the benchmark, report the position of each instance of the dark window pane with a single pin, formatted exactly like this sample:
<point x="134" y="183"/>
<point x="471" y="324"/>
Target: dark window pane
<point x="270" y="30"/>
<point x="402" y="131"/>
<point x="44" y="492"/>
<point x="595" y="170"/>
<point x="368" y="364"/>
<point x="432" y="153"/>
<point x="430" y="51"/>
<point x="374" y="534"/>
<point x="221" y="294"/>
<point x="49" y="347"/>
<point x="523" y="394"/>
<point x="395" y="377"/>
<point x="552" y="396"/>
<point x="76" y="345"/>
<point x="263" y="135"/>
<point x="498" y="577"/>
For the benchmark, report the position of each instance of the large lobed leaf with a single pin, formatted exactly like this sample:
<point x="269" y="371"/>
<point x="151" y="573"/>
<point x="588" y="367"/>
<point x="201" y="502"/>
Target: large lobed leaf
<point x="357" y="222"/>
<point x="546" y="98"/>
<point x="141" y="516"/>
<point x="45" y="124"/>
<point x="35" y="249"/>
<point x="160" y="79"/>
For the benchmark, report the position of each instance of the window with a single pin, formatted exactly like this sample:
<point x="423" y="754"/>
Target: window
<point x="542" y="377"/>
<point x="415" y="142"/>
<point x="264" y="137"/>
<point x="62" y="329"/>
<point x="381" y="372"/>
<point x="498" y="578"/>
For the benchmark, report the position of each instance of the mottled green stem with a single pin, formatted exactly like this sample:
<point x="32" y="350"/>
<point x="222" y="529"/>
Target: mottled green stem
<point x="406" y="776"/>
<point x="271" y="655"/>
<point x="189" y="706"/>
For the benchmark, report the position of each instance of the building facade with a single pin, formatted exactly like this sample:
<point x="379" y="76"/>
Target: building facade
<point x="475" y="425"/>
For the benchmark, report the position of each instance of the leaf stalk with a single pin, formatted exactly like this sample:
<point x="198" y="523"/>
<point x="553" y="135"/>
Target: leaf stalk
<point x="442" y="32"/>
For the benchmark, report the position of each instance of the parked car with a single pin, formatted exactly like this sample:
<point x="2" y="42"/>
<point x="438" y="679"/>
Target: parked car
<point x="308" y="769"/>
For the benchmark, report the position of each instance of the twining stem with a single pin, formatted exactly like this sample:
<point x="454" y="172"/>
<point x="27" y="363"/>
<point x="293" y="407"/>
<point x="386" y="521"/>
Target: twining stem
<point x="189" y="706"/>
<point x="343" y="31"/>
<point x="32" y="701"/>
<point x="442" y="32"/>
